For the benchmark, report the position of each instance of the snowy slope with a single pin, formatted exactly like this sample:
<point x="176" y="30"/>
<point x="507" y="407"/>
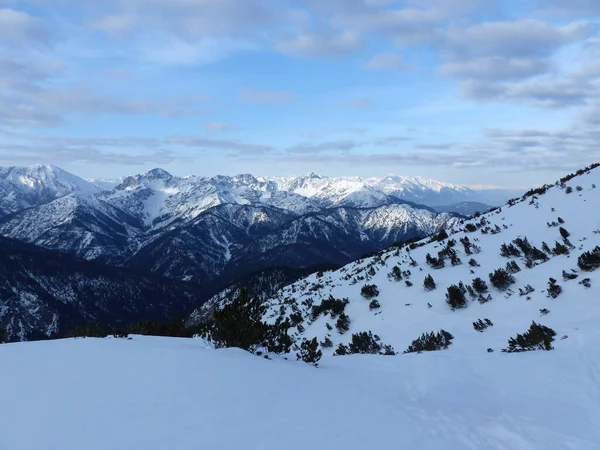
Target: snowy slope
<point x="24" y="187"/>
<point x="162" y="393"/>
<point x="404" y="311"/>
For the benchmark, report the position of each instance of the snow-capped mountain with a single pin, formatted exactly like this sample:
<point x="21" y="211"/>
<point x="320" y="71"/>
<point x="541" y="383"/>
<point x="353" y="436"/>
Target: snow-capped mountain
<point x="223" y="228"/>
<point x="26" y="187"/>
<point x="437" y="193"/>
<point x="43" y="293"/>
<point x="534" y="259"/>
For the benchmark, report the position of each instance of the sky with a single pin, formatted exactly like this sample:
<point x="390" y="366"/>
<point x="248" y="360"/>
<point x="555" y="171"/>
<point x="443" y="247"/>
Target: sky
<point x="478" y="92"/>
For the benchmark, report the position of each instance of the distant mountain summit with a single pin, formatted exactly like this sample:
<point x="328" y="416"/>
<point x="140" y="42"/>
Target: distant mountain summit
<point x="26" y="187"/>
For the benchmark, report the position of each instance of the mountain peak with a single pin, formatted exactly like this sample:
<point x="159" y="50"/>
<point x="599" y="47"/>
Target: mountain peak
<point x="159" y="174"/>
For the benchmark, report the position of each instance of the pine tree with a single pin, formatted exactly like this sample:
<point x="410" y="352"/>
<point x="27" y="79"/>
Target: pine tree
<point x="309" y="351"/>
<point x="428" y="342"/>
<point x="538" y="337"/>
<point x="589" y="261"/>
<point x="369" y="291"/>
<point x="239" y="324"/>
<point x="479" y="285"/>
<point x="395" y="274"/>
<point x="429" y="283"/>
<point x="364" y="343"/>
<point x="343" y="323"/>
<point x="455" y="297"/>
<point x="554" y="290"/>
<point x="501" y="279"/>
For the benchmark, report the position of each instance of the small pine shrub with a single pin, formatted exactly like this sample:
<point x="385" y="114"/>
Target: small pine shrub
<point x="327" y="343"/>
<point x="369" y="291"/>
<point x="343" y="323"/>
<point x="589" y="261"/>
<point x="341" y="350"/>
<point x="481" y="325"/>
<point x="429" y="342"/>
<point x="470" y="228"/>
<point x="569" y="275"/>
<point x="560" y="249"/>
<point x="364" y="343"/>
<point x="526" y="290"/>
<point x="509" y="251"/>
<point x="538" y="337"/>
<point x="554" y="290"/>
<point x="395" y="274"/>
<point x="473" y="263"/>
<point x="429" y="283"/>
<point x="455" y="260"/>
<point x="374" y="304"/>
<point x="309" y="351"/>
<point x="512" y="267"/>
<point x="333" y="305"/>
<point x="455" y="297"/>
<point x="501" y="279"/>
<point x="479" y="285"/>
<point x="435" y="263"/>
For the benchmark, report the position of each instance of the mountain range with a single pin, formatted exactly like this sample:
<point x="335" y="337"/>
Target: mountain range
<point x="212" y="228"/>
<point x="207" y="232"/>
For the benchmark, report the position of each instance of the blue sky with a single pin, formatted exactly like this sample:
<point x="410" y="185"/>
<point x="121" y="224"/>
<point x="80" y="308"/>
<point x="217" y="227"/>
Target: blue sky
<point x="478" y="92"/>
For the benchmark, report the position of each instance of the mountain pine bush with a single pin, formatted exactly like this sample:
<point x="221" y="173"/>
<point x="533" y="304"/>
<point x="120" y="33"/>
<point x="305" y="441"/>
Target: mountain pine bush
<point x="309" y="351"/>
<point x="479" y="285"/>
<point x="369" y="291"/>
<point x="455" y="297"/>
<point x="343" y="323"/>
<point x="395" y="274"/>
<point x="429" y="283"/>
<point x="538" y="337"/>
<point x="431" y="341"/>
<point x="554" y="290"/>
<point x="589" y="261"/>
<point x="481" y="325"/>
<point x="239" y="324"/>
<point x="364" y="343"/>
<point x="501" y="279"/>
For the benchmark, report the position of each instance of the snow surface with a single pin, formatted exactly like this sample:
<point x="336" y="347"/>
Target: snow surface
<point x="165" y="393"/>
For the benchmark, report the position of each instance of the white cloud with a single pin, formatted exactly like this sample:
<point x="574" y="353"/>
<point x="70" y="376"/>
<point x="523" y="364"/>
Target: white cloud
<point x="19" y="28"/>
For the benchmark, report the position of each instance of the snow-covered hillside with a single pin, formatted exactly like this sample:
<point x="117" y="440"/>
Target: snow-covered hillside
<point x="159" y="393"/>
<point x="545" y="232"/>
